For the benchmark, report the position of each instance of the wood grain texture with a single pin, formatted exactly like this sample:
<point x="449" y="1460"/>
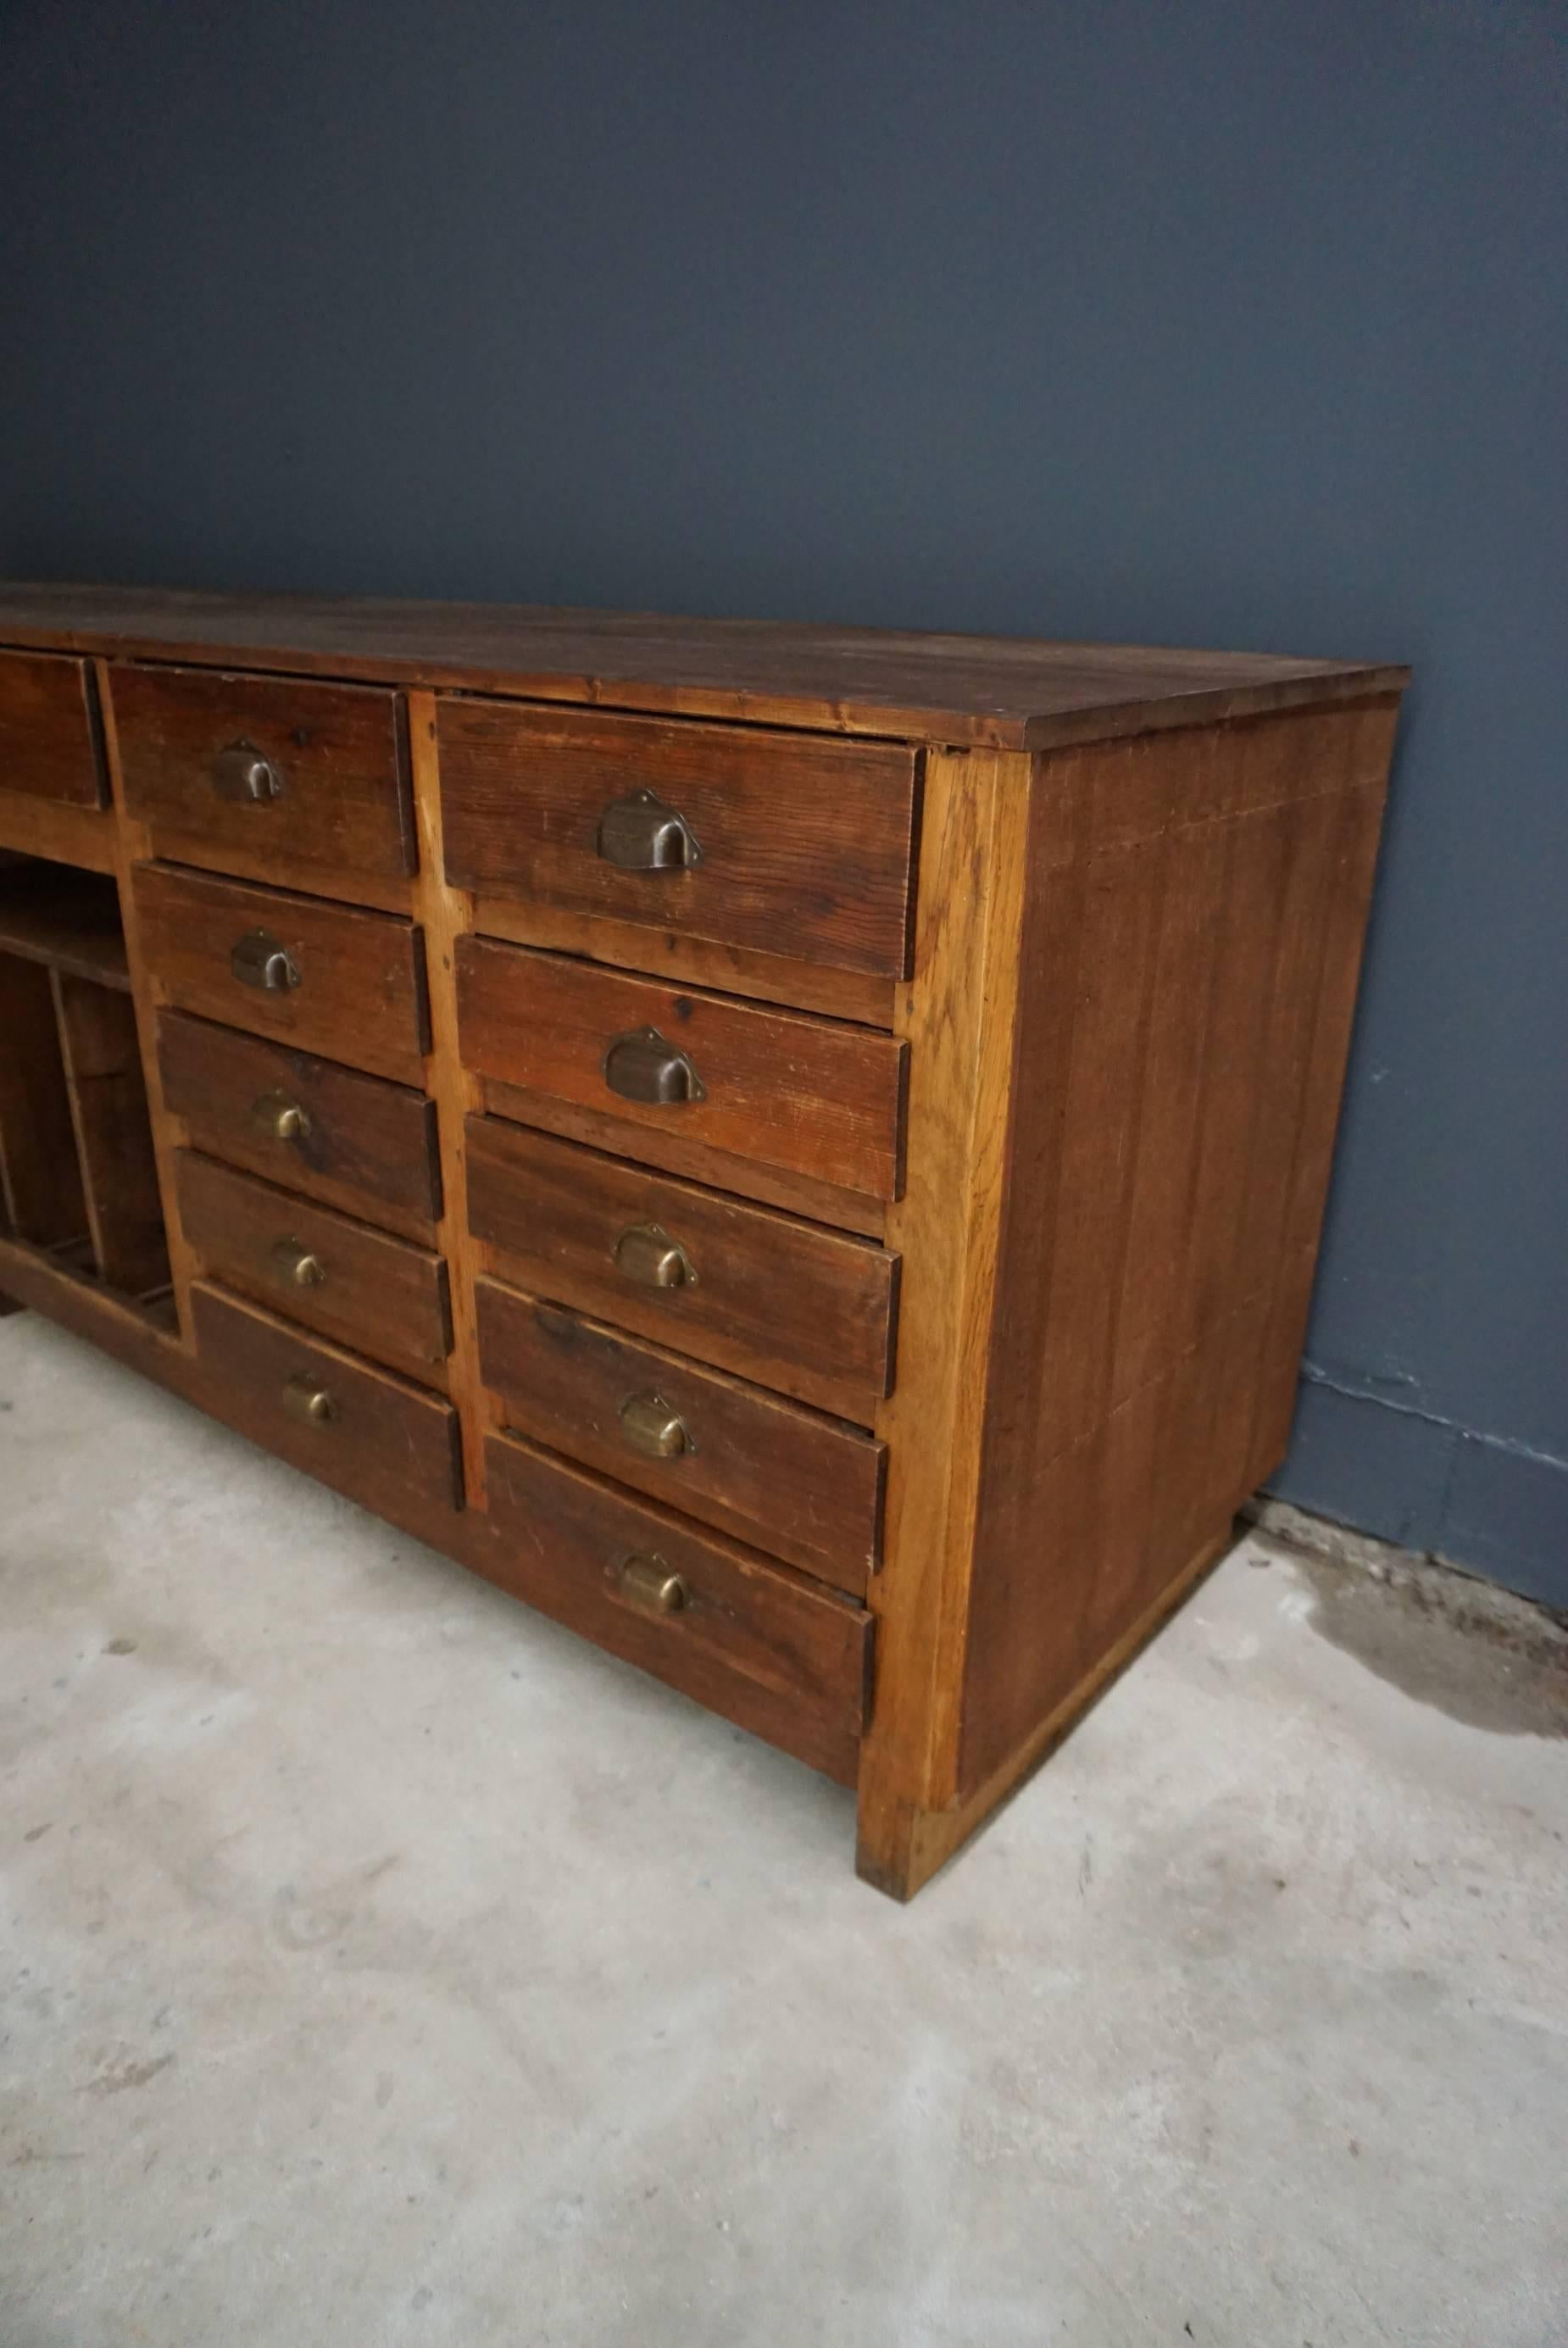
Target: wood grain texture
<point x="49" y="741"/>
<point x="343" y="801"/>
<point x="367" y="1146"/>
<point x="108" y="1095"/>
<point x="387" y="1443"/>
<point x="982" y="691"/>
<point x="376" y="1293"/>
<point x="695" y="1161"/>
<point x="691" y="961"/>
<point x="361" y="993"/>
<point x="799" y="1485"/>
<point x="959" y="1017"/>
<point x="445" y="914"/>
<point x="810" y="1097"/>
<point x="82" y="836"/>
<point x="41" y="1181"/>
<point x="1204" y="890"/>
<point x="130" y="849"/>
<point x="803" y="1310"/>
<point x="805" y="842"/>
<point x="1143" y="885"/>
<point x="766" y="1648"/>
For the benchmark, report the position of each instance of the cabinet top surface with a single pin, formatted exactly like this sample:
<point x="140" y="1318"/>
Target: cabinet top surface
<point x="998" y="692"/>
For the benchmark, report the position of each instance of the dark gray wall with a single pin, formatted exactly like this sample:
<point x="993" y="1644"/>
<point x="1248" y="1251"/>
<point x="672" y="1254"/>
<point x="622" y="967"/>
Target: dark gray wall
<point x="1239" y="324"/>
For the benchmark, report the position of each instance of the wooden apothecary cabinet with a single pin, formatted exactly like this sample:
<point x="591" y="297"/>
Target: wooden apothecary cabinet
<point x="800" y="1153"/>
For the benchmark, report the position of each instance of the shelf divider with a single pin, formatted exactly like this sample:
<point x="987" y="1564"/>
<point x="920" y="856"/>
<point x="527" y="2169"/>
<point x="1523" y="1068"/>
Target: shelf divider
<point x="102" y="1061"/>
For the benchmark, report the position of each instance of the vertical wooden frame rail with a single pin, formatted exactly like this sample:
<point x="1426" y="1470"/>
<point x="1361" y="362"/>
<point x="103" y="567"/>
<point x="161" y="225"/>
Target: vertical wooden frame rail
<point x="131" y="847"/>
<point x="958" y="1014"/>
<point x="101" y="1046"/>
<point x="444" y="914"/>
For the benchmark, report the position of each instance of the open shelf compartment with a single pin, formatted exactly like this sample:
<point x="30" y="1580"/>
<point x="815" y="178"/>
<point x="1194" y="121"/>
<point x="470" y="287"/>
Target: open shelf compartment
<point x="79" y="1181"/>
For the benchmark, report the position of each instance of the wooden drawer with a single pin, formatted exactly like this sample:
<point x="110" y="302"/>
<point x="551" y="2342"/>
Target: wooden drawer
<point x="49" y="737"/>
<point x="353" y="1142"/>
<point x="361" y="1429"/>
<point x="265" y="776"/>
<point x="354" y="988"/>
<point x="804" y="843"/>
<point x="805" y="1311"/>
<point x="770" y="1650"/>
<point x="803" y="1486"/>
<point x="815" y="1098"/>
<point x="341" y="1277"/>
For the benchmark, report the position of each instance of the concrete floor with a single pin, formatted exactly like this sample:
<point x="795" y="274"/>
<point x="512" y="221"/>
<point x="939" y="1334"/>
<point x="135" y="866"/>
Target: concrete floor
<point x="381" y="1965"/>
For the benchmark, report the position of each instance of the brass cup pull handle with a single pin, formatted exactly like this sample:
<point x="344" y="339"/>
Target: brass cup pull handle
<point x="297" y="1265"/>
<point x="243" y="773"/>
<point x="644" y="1067"/>
<point x="641" y="834"/>
<point x="649" y="1426"/>
<point x="280" y="1118"/>
<point x="260" y="959"/>
<point x="306" y="1398"/>
<point x="648" y="1583"/>
<point x="648" y="1255"/>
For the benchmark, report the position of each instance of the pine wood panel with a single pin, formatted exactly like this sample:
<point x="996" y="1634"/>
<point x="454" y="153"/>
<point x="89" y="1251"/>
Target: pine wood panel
<point x="361" y="991"/>
<point x="446" y="914"/>
<point x="799" y="1485"/>
<point x="959" y="1015"/>
<point x="49" y="740"/>
<point x="805" y="1310"/>
<point x="1003" y="692"/>
<point x="812" y="1097"/>
<point x="86" y="837"/>
<point x="1136" y="1317"/>
<point x="767" y="1648"/>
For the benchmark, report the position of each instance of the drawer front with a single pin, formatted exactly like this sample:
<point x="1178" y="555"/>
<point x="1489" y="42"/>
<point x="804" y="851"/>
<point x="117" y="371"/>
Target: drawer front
<point x="797" y="1308"/>
<point x="340" y="1277"/>
<point x="768" y="1649"/>
<point x="804" y="1488"/>
<point x="794" y="845"/>
<point x="49" y="736"/>
<point x="350" y="986"/>
<point x="265" y="774"/>
<point x="354" y="1142"/>
<point x="361" y="1429"/>
<point x="810" y="1097"/>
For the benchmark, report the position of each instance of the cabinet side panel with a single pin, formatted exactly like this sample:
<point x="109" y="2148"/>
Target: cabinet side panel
<point x="1172" y="1131"/>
